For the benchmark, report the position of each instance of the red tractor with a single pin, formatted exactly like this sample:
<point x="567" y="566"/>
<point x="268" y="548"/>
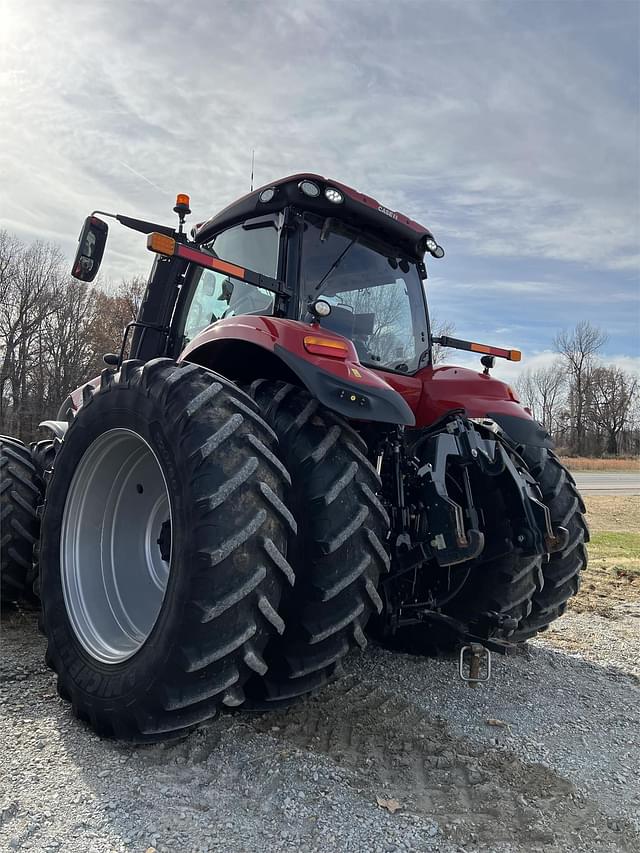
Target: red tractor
<point x="277" y="469"/>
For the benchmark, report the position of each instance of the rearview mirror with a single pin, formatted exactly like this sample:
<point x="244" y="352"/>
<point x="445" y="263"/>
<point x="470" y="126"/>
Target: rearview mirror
<point x="91" y="243"/>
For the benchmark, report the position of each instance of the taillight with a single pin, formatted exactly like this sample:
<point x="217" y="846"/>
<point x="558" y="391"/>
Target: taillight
<point x="325" y="346"/>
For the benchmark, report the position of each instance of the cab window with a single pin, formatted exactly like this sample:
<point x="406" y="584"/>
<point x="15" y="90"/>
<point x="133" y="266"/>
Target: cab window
<point x="213" y="295"/>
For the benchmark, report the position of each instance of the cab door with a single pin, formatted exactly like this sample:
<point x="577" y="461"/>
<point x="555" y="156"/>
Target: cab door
<point x="209" y="296"/>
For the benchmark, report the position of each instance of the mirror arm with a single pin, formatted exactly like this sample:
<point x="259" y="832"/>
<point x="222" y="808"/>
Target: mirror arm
<point x="140" y="225"/>
<point x="145" y="227"/>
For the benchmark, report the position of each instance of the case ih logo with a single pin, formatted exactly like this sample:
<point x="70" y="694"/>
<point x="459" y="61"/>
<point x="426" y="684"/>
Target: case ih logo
<point x="387" y="212"/>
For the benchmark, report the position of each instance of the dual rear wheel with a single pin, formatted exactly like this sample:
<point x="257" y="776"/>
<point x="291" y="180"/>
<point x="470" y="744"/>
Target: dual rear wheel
<point x="169" y="551"/>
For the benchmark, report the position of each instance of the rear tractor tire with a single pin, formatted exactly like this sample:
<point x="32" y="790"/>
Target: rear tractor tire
<point x="560" y="571"/>
<point x="339" y="551"/>
<point x="20" y="495"/>
<point x="163" y="550"/>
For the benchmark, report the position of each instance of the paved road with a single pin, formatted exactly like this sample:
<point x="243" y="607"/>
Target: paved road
<point x="608" y="482"/>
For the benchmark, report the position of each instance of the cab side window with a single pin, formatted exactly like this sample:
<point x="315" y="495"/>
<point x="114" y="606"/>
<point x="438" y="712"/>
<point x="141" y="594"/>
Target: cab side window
<point x="205" y="306"/>
<point x="252" y="245"/>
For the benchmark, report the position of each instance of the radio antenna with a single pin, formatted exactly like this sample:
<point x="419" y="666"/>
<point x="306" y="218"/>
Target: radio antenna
<point x="253" y="159"/>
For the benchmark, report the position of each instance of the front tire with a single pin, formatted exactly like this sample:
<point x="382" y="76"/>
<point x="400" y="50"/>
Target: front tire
<point x="163" y="546"/>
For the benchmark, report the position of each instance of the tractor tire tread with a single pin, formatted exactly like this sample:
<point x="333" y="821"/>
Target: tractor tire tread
<point x="338" y="550"/>
<point x="562" y="570"/>
<point x="20" y="494"/>
<point x="218" y="634"/>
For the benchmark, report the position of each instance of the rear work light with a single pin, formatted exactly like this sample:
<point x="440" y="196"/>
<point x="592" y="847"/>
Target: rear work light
<point x="433" y="248"/>
<point x="309" y="188"/>
<point x="325" y="346"/>
<point x="333" y="195"/>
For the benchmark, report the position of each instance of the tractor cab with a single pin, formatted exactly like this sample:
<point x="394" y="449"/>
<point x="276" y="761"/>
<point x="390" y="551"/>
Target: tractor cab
<point x="349" y="283"/>
<point x="347" y="263"/>
<point x="303" y="251"/>
<point x="324" y="253"/>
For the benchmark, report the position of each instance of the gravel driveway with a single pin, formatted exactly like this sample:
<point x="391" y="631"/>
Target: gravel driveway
<point x="544" y="757"/>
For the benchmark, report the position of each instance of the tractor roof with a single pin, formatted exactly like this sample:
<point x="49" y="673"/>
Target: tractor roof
<point x="358" y="210"/>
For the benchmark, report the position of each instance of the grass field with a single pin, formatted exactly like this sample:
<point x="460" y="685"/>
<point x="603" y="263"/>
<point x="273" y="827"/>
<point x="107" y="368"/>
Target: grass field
<point x="583" y="463"/>
<point x="613" y="513"/>
<point x="620" y="551"/>
<point x="612" y="578"/>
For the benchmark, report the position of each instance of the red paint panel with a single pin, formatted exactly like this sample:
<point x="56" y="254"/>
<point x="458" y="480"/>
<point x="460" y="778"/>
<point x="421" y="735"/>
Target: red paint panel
<point x="266" y="332"/>
<point x="430" y="393"/>
<point x="375" y="205"/>
<point x="446" y="388"/>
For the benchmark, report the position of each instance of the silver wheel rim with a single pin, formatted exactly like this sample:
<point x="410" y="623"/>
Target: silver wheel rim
<point x="114" y="577"/>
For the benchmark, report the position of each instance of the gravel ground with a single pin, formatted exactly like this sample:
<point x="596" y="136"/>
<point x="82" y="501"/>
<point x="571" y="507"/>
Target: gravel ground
<point x="544" y="757"/>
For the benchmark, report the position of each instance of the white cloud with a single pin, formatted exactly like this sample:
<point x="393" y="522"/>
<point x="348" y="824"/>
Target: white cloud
<point x="511" y="129"/>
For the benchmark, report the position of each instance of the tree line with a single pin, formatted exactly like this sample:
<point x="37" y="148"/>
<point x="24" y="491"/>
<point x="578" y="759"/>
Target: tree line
<point x="54" y="331"/>
<point x="591" y="408"/>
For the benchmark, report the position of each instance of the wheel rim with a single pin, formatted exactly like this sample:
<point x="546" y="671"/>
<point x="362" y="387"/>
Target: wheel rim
<point x="115" y="548"/>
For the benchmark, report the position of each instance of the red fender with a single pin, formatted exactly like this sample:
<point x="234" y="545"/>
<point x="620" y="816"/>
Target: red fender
<point x="341" y="383"/>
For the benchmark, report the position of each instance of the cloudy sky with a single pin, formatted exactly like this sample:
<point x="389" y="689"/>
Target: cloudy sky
<point x="510" y="128"/>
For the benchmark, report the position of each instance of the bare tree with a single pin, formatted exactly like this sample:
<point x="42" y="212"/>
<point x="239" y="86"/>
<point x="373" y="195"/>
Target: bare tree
<point x="543" y="391"/>
<point x="610" y="401"/>
<point x="440" y="328"/>
<point x="130" y="292"/>
<point x="111" y="314"/>
<point x="631" y="435"/>
<point x="53" y="331"/>
<point x="30" y="283"/>
<point x="578" y="348"/>
<point x="67" y="345"/>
